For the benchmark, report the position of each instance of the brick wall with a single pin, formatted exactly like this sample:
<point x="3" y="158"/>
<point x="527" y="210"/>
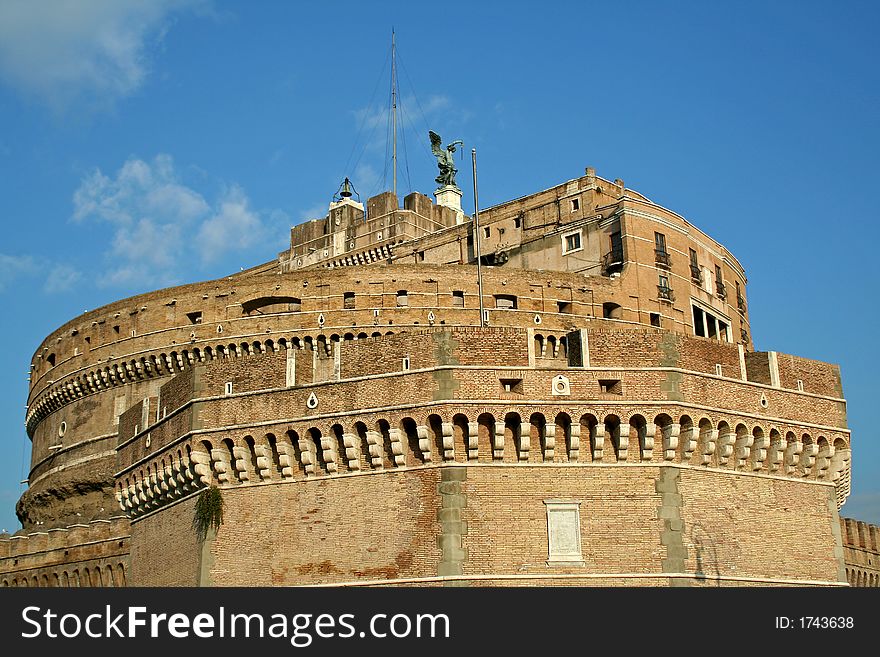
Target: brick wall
<point x="347" y="529"/>
<point x="164" y="548"/>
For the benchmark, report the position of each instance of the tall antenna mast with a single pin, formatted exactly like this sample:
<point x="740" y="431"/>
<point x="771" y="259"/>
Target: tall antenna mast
<point x="394" y="112"/>
<point x="477" y="238"/>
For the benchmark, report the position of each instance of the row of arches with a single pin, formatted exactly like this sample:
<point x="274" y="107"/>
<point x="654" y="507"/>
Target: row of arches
<point x="505" y="435"/>
<point x="106" y="575"/>
<point x="174" y="362"/>
<point x="550" y="346"/>
<point x="861" y="578"/>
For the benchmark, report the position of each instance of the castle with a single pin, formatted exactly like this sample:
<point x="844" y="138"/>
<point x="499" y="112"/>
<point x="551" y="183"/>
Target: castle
<point x="560" y="391"/>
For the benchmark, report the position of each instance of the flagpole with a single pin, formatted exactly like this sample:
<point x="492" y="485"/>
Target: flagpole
<point x="477" y="237"/>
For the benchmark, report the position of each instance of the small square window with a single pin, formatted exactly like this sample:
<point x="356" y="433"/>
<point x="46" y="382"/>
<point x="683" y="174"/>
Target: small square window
<point x="571" y="242"/>
<point x="512" y="385"/>
<point x="655" y="319"/>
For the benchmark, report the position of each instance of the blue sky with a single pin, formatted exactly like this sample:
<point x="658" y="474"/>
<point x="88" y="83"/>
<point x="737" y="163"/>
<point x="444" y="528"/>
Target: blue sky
<point x="146" y="144"/>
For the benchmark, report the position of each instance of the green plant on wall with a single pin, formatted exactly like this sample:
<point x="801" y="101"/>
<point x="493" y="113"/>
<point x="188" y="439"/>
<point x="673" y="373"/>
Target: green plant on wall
<point x="209" y="511"/>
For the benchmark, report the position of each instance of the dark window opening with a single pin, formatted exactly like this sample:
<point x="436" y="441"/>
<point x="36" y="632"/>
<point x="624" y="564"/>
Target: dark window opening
<point x="661" y="256"/>
<point x="719" y="283"/>
<point x="664" y="292"/>
<point x="348" y="300"/>
<point x="458" y="299"/>
<point x="517" y="222"/>
<point x="564" y="307"/>
<point x="699" y="329"/>
<point x="194" y="317"/>
<point x="505" y="301"/>
<point x="512" y="385"/>
<point x="269" y="305"/>
<point x="487" y="231"/>
<point x="575" y="205"/>
<point x="613" y="260"/>
<point x="611" y="310"/>
<point x="402" y="298"/>
<point x="116" y="329"/>
<point x="51" y="360"/>
<point x="610" y="386"/>
<point x="655" y="319"/>
<point x="696" y="273"/>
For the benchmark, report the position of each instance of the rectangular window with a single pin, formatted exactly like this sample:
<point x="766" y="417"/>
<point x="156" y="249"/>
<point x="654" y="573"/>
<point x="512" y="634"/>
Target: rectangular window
<point x="719" y="283"/>
<point x="660" y="242"/>
<point x="564" y="533"/>
<point x="564" y="307"/>
<point x="194" y="317"/>
<point x="571" y="242"/>
<point x="575" y="205"/>
<point x="402" y="298"/>
<point x="661" y="255"/>
<point x="348" y="300"/>
<point x="505" y="301"/>
<point x="663" y="290"/>
<point x="517" y="222"/>
<point x="511" y="385"/>
<point x="487" y="231"/>
<point x="458" y="299"/>
<point x="696" y="274"/>
<point x="610" y="386"/>
<point x="655" y="319"/>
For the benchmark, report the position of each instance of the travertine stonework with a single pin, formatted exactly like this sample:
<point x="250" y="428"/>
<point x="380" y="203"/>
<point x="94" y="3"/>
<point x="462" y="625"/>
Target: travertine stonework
<point x="368" y="424"/>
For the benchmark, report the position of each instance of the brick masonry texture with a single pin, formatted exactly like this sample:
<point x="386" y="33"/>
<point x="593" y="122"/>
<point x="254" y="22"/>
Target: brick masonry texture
<point x="364" y="428"/>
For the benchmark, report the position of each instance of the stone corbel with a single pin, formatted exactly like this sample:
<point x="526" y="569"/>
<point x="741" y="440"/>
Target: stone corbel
<point x="447" y="430"/>
<point x="709" y="446"/>
<point x="598" y="442"/>
<point x="725" y="446"/>
<point x="473" y="440"/>
<point x="264" y="461"/>
<point x="792" y="456"/>
<point x="286" y="459"/>
<point x="241" y="456"/>
<point x="498" y="447"/>
<point x="397" y="446"/>
<point x="525" y="439"/>
<point x="374" y="444"/>
<point x="776" y="453"/>
<point x="743" y="447"/>
<point x="687" y="438"/>
<point x="201" y="466"/>
<point x="574" y="445"/>
<point x="549" y="441"/>
<point x="352" y="457"/>
<point x="623" y="442"/>
<point x="424" y="443"/>
<point x="328" y="452"/>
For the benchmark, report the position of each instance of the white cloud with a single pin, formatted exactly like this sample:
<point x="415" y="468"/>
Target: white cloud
<point x="232" y="226"/>
<point x="163" y="228"/>
<point x="62" y="50"/>
<point x="61" y="278"/>
<point x="11" y="267"/>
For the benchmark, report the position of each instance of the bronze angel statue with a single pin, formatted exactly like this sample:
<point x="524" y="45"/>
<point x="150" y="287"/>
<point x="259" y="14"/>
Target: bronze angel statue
<point x="445" y="159"/>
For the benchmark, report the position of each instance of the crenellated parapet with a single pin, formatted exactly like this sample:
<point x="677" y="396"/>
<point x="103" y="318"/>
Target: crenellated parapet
<point x="88" y="554"/>
<point x="861" y="548"/>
